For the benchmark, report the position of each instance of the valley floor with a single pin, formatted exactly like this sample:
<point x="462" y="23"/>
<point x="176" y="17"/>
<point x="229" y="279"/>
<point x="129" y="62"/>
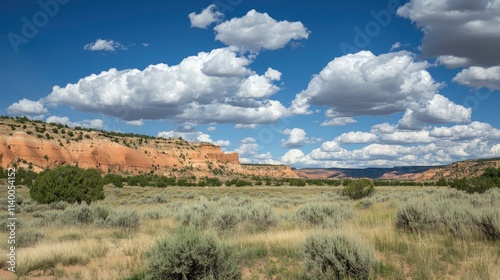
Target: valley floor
<point x="54" y="246"/>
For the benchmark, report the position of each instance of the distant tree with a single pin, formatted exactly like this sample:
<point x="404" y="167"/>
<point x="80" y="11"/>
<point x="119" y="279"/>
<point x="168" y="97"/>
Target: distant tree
<point x="357" y="189"/>
<point x="68" y="183"/>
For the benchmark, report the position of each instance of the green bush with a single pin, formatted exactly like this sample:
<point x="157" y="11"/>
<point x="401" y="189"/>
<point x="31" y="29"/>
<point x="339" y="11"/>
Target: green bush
<point x="189" y="254"/>
<point x="67" y="183"/>
<point x="337" y="256"/>
<point x="357" y="189"/>
<point x="114" y="179"/>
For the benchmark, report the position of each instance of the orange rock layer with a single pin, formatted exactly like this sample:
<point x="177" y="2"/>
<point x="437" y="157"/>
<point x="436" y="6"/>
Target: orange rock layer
<point x="126" y="155"/>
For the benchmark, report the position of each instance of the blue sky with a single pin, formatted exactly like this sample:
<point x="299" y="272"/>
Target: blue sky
<point x="323" y="84"/>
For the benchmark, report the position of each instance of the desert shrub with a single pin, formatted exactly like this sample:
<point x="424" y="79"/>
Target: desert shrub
<point x="262" y="216"/>
<point x="227" y="214"/>
<point x="357" y="189"/>
<point x="454" y="212"/>
<point x="126" y="219"/>
<point x="99" y="216"/>
<point x="337" y="256"/>
<point x="198" y="215"/>
<point x="58" y="205"/>
<point x="154" y="214"/>
<point x="324" y="214"/>
<point x="416" y="216"/>
<point x="488" y="223"/>
<point x="27" y="238"/>
<point x="226" y="218"/>
<point x="67" y="183"/>
<point x="189" y="254"/>
<point x="160" y="199"/>
<point x="365" y="203"/>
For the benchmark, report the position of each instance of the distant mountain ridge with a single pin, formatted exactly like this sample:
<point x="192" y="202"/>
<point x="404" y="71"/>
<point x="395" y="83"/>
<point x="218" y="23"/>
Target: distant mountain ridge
<point x="372" y="173"/>
<point x="457" y="170"/>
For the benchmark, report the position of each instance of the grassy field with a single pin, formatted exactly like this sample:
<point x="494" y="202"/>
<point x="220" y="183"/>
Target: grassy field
<point x="405" y="232"/>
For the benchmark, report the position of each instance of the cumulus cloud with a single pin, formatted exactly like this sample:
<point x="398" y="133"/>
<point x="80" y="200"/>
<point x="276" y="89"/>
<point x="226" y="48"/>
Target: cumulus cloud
<point x="248" y="140"/>
<point x="479" y="77"/>
<point x="388" y="145"/>
<point x="26" y="106"/>
<point x="136" y="123"/>
<point x="208" y="16"/>
<point x="297" y="138"/>
<point x="104" y="45"/>
<point x="245" y="126"/>
<point x="193" y="136"/>
<point x="257" y="86"/>
<point x="247" y="149"/>
<point x="211" y="128"/>
<point x="257" y="31"/>
<point x="338" y="121"/>
<point x="225" y="63"/>
<point x="187" y="92"/>
<point x="437" y="110"/>
<point x="357" y="137"/>
<point x="468" y="31"/>
<point x="365" y="84"/>
<point x="94" y="123"/>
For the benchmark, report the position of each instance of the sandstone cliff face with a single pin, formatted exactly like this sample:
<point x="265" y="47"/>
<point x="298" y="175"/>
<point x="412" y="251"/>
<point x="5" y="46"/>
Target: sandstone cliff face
<point x="48" y="147"/>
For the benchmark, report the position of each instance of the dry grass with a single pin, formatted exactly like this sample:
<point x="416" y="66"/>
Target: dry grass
<point x="72" y="252"/>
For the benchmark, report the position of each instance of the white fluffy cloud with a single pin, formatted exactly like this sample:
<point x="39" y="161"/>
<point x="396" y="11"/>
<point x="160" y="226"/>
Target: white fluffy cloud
<point x="225" y="63"/>
<point x="463" y="32"/>
<point x="256" y="31"/>
<point x="365" y="84"/>
<point x="248" y="140"/>
<point x="136" y="123"/>
<point x="387" y="145"/>
<point x="478" y="77"/>
<point x="257" y="86"/>
<point x="357" y="137"/>
<point x="26" y="106"/>
<point x="338" y="121"/>
<point x="193" y="136"/>
<point x="208" y="16"/>
<point x="188" y="92"/>
<point x="246" y="126"/>
<point x="94" y="123"/>
<point x="297" y="138"/>
<point x="104" y="45"/>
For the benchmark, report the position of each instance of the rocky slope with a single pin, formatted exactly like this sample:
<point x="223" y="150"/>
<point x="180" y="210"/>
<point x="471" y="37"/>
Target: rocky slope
<point x="457" y="170"/>
<point x="38" y="145"/>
